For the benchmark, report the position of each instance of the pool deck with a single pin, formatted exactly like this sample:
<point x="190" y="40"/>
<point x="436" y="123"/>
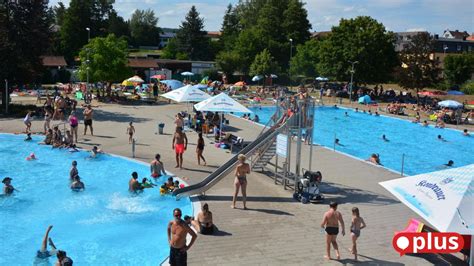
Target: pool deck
<point x="276" y="230"/>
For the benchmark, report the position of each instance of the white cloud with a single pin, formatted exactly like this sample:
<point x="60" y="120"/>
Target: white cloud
<point x="415" y="29"/>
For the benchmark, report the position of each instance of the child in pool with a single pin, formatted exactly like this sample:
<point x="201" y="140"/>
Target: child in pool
<point x="146" y="184"/>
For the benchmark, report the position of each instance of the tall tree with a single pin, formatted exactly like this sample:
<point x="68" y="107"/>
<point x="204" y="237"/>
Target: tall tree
<point x="59" y="13"/>
<point x="191" y="37"/>
<point x="107" y="59"/>
<point x="361" y="39"/>
<point x="295" y="22"/>
<point x="25" y="36"/>
<point x="117" y="25"/>
<point x="230" y="28"/>
<point x="229" y="62"/>
<point x="170" y="50"/>
<point x="144" y="29"/>
<point x="82" y="14"/>
<point x="264" y="64"/>
<point x="305" y="61"/>
<point x="418" y="69"/>
<point x="459" y="68"/>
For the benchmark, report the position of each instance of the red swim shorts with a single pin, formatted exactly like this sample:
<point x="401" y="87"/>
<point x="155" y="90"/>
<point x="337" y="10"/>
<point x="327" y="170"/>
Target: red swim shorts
<point x="155" y="175"/>
<point x="179" y="148"/>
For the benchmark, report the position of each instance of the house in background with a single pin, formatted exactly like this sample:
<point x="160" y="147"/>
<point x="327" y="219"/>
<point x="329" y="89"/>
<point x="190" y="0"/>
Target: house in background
<point x="450" y="34"/>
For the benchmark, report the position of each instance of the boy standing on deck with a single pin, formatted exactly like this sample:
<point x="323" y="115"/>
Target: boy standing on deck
<point x="179" y="145"/>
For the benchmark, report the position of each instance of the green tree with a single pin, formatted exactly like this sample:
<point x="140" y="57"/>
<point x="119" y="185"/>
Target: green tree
<point x="170" y="50"/>
<point x="118" y="26"/>
<point x="295" y="22"/>
<point x="459" y="68"/>
<point x="264" y="64"/>
<point x="25" y="35"/>
<point x="144" y="29"/>
<point x="229" y="62"/>
<point x="191" y="37"/>
<point x="82" y="14"/>
<point x="230" y="28"/>
<point x="418" y="69"/>
<point x="59" y="13"/>
<point x="107" y="59"/>
<point x="306" y="59"/>
<point x="361" y="39"/>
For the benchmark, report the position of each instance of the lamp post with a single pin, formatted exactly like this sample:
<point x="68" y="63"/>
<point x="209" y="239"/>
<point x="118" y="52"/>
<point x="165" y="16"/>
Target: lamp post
<point x="87" y="64"/>
<point x="352" y="78"/>
<point x="289" y="63"/>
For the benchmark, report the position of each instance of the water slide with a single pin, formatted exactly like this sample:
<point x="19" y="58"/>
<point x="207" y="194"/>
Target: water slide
<point x="226" y="168"/>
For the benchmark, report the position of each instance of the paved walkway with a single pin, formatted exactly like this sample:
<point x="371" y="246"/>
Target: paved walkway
<point x="276" y="230"/>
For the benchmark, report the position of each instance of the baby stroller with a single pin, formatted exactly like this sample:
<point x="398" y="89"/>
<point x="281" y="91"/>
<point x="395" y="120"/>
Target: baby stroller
<point x="307" y="190"/>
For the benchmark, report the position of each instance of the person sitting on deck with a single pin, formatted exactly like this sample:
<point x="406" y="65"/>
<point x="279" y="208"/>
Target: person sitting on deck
<point x="203" y="223"/>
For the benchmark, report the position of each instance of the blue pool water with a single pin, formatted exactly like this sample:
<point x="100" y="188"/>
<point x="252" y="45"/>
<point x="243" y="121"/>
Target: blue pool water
<point x="361" y="136"/>
<point x="103" y="225"/>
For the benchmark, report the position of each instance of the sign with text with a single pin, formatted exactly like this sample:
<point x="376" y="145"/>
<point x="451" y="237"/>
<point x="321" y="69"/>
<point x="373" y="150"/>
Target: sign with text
<point x="282" y="145"/>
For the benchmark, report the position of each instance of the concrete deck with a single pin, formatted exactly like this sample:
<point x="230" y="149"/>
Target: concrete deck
<point x="276" y="230"/>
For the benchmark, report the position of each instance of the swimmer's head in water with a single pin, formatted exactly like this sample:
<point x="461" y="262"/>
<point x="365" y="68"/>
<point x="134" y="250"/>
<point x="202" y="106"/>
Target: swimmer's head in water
<point x="465" y="130"/>
<point x="170" y="179"/>
<point x="6" y="180"/>
<point x="439" y="137"/>
<point x="134" y="175"/>
<point x="450" y="163"/>
<point x="74" y="163"/>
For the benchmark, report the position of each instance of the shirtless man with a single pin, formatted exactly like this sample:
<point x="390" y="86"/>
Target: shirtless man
<point x="203" y="223"/>
<point x="331" y="220"/>
<point x="88" y="112"/>
<point x="177" y="232"/>
<point x="7" y="187"/>
<point x="156" y="167"/>
<point x="133" y="185"/>
<point x="241" y="172"/>
<point x="179" y="121"/>
<point x="180" y="144"/>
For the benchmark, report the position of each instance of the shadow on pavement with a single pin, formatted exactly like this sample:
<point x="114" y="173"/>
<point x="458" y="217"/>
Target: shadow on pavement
<point x="221" y="233"/>
<point x="102" y="115"/>
<point x="343" y="194"/>
<point x="374" y="261"/>
<point x="269" y="211"/>
<point x="254" y="199"/>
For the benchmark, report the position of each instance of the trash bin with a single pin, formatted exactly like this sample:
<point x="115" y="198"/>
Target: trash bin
<point x="161" y="126"/>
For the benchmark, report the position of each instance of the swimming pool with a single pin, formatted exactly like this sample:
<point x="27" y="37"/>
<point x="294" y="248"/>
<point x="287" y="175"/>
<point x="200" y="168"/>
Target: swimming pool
<point x="103" y="225"/>
<point x="360" y="134"/>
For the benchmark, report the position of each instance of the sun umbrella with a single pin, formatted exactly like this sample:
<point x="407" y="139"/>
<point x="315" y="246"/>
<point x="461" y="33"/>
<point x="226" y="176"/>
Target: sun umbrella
<point x="453" y="92"/>
<point x="221" y="103"/>
<point x="127" y="83"/>
<point x="273" y="76"/>
<point x="159" y="76"/>
<point x="136" y="79"/>
<point x="365" y="99"/>
<point x="172" y="83"/>
<point x="256" y="78"/>
<point x="186" y="94"/>
<point x="187" y="73"/>
<point x="322" y="79"/>
<point x="240" y="84"/>
<point x="450" y="104"/>
<point x="442" y="198"/>
<point x="200" y="86"/>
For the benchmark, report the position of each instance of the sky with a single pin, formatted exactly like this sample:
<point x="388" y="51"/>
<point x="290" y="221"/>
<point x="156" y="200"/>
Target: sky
<point x="434" y="16"/>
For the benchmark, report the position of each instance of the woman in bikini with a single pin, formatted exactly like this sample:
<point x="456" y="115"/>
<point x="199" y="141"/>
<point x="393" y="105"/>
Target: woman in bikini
<point x="73" y="123"/>
<point x="200" y="149"/>
<point x="241" y="180"/>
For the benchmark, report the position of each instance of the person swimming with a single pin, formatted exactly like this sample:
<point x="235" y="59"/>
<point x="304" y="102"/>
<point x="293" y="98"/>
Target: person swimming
<point x="385" y="138"/>
<point x="95" y="152"/>
<point x="357" y="110"/>
<point x="77" y="184"/>
<point x="370" y="112"/>
<point x="466" y="133"/>
<point x="346" y="114"/>
<point x="375" y="159"/>
<point x="441" y="138"/>
<point x="28" y="137"/>
<point x="8" y="188"/>
<point x="377" y="113"/>
<point x="449" y="164"/>
<point x="425" y="123"/>
<point x="336" y="141"/>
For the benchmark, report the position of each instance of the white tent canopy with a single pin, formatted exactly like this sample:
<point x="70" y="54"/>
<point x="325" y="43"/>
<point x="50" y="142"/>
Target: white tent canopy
<point x="186" y="94"/>
<point x="136" y="79"/>
<point x="221" y="103"/>
<point x="445" y="198"/>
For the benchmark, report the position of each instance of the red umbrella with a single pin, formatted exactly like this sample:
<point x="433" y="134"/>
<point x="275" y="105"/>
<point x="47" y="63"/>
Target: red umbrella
<point x="159" y="76"/>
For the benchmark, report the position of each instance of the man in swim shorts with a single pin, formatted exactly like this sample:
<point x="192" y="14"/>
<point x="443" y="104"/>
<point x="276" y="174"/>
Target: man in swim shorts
<point x="179" y="145"/>
<point x="177" y="232"/>
<point x="43" y="252"/>
<point x="331" y="220"/>
<point x="156" y="167"/>
<point x="88" y="112"/>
